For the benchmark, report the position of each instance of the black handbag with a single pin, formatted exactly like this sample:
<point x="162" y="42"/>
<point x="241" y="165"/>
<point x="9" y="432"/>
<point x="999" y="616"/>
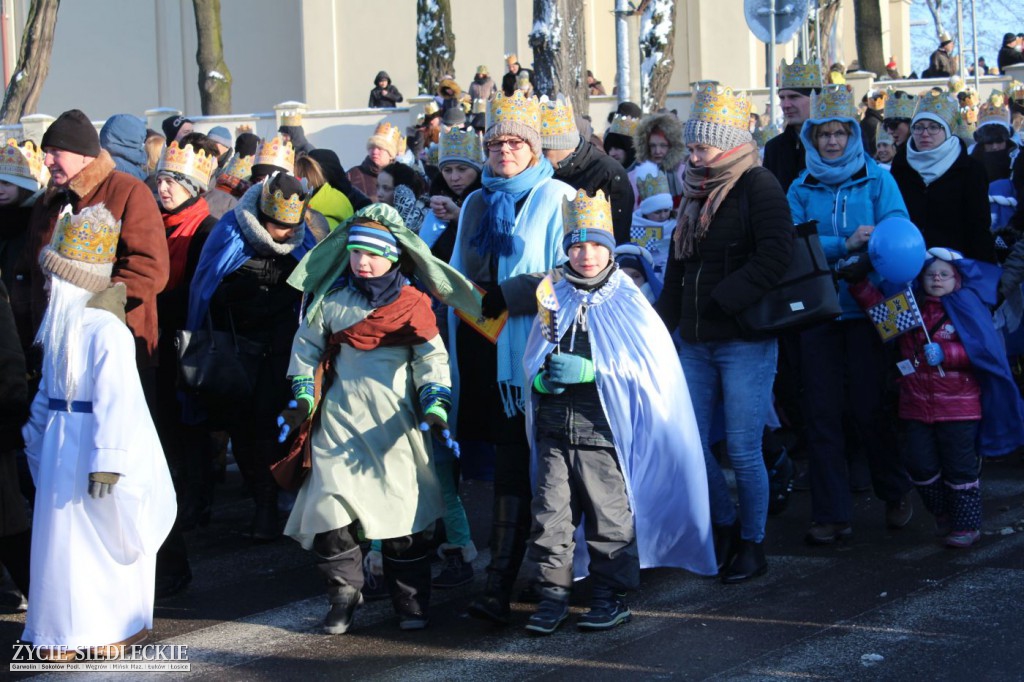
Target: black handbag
<point x="805" y="296"/>
<point x="217" y="363"/>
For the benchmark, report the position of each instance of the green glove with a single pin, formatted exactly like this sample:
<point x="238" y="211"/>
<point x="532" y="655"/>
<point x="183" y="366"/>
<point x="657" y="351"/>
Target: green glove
<point x="101" y="484"/>
<point x="565" y="368"/>
<point x="302" y="391"/>
<point x="542" y="384"/>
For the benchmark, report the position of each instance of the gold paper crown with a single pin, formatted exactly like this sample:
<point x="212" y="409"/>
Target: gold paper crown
<point x="939" y="103"/>
<point x="276" y="152"/>
<point x="899" y="104"/>
<point x="652" y="185"/>
<point x="390" y="135"/>
<point x="514" y="109"/>
<point x="969" y="115"/>
<point x="587" y="213"/>
<point x="292" y="118"/>
<point x="192" y="164"/>
<point x="279" y="208"/>
<point x="963" y="128"/>
<point x="800" y="75"/>
<point x="460" y="144"/>
<point x="765" y="133"/>
<point x="623" y="125"/>
<point x="883" y="136"/>
<point x="957" y="84"/>
<point x="994" y="110"/>
<point x="433" y="153"/>
<point x="87" y="237"/>
<point x="25" y="160"/>
<point x="239" y="167"/>
<point x="556" y="116"/>
<point x="715" y="104"/>
<point x="834" y="101"/>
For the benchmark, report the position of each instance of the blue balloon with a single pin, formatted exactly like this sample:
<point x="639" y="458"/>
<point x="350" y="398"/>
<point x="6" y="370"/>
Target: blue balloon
<point x="897" y="250"/>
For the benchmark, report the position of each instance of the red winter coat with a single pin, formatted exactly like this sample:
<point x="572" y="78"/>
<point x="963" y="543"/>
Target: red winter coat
<point x="924" y="395"/>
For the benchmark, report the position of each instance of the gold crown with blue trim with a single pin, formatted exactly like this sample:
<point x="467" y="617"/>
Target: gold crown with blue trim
<point x="556" y="116"/>
<point x="765" y="133"/>
<point x="432" y="154"/>
<point x="279" y="208"/>
<point x="87" y="237"/>
<point x="883" y="136"/>
<point x="587" y="213"/>
<point x="239" y="167"/>
<point x="623" y="125"/>
<point x="198" y="166"/>
<point x="516" y="108"/>
<point x="650" y="185"/>
<point x="276" y="152"/>
<point x="460" y="144"/>
<point x="963" y="126"/>
<point x="994" y="110"/>
<point x="834" y="101"/>
<point x="939" y="103"/>
<point x="713" y="103"/>
<point x="800" y="75"/>
<point x="23" y="162"/>
<point x="899" y="104"/>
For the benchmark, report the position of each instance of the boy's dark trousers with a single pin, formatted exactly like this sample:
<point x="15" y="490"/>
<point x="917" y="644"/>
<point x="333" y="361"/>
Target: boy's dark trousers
<point x="575" y="480"/>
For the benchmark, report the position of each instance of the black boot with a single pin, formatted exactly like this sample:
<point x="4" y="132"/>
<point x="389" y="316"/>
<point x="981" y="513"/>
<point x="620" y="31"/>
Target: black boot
<point x="344" y="576"/>
<point x="749" y="563"/>
<point x="727" y="543"/>
<point x="509" y="531"/>
<point x="254" y="459"/>
<point x="408" y="581"/>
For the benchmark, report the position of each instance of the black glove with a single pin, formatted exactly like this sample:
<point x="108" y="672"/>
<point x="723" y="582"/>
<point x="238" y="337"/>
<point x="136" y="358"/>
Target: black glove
<point x="855" y="268"/>
<point x="494" y="303"/>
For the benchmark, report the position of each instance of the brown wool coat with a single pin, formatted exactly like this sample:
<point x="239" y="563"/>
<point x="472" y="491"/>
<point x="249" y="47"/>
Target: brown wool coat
<point x="142" y="261"/>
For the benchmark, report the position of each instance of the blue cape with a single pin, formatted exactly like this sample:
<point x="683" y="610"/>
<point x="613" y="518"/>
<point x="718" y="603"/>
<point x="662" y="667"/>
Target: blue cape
<point x="647" y="403"/>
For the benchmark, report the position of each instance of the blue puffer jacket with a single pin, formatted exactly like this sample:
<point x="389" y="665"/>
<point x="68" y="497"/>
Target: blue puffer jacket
<point x="867" y="197"/>
<point x="124" y="138"/>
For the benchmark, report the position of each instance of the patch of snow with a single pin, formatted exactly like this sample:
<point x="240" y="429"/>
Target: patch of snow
<point x="216" y="75"/>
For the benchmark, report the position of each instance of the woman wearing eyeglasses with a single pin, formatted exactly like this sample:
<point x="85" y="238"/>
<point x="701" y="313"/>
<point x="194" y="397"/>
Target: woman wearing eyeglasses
<point x="945" y="190"/>
<point x="843" y="362"/>
<point x="509" y="231"/>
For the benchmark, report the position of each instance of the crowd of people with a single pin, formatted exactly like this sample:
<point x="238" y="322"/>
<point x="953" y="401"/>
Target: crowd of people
<point x="499" y="284"/>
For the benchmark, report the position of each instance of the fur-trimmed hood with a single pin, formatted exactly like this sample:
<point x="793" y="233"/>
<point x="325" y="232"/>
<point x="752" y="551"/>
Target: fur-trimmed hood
<point x="672" y="128"/>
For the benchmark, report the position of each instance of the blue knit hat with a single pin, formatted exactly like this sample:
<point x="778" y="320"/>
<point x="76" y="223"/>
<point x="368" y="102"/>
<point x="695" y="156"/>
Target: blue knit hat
<point x="373" y="238"/>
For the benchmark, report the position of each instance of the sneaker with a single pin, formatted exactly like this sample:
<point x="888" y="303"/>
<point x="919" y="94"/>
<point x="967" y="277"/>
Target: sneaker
<point x="961" y="539"/>
<point x="899" y="512"/>
<point x="454" y="572"/>
<point x="827" y="533"/>
<point x="606" y="611"/>
<point x="549" y="615"/>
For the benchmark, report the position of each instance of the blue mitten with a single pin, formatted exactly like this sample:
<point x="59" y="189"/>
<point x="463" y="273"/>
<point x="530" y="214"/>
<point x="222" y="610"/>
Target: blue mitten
<point x="564" y="368"/>
<point x="933" y="354"/>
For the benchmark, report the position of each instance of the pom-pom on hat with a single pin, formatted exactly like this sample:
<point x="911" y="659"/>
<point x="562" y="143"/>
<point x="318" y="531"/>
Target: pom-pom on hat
<point x="283" y="199"/>
<point x="516" y="115"/>
<point x="20" y="164"/>
<point x="387" y="137"/>
<point x="719" y="117"/>
<point x="73" y="132"/>
<point x="373" y="237"/>
<point x="587" y="219"/>
<point x="558" y="124"/>
<point x="83" y="247"/>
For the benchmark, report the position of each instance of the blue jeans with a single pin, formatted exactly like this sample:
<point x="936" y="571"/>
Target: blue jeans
<point x="740" y="374"/>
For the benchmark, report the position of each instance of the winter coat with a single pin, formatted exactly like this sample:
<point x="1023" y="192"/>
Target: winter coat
<point x="172" y="303"/>
<point x="332" y="204"/>
<point x="387" y="97"/>
<point x="1008" y="57"/>
<point x="15" y="268"/>
<point x="142" y="262"/>
<point x="591" y="170"/>
<point x="785" y="156"/>
<point x="953" y="211"/>
<point x="869" y="129"/>
<point x="941" y="64"/>
<point x="364" y="178"/>
<point x="482" y="88"/>
<point x="124" y="138"/>
<point x="672" y="164"/>
<point x="334" y="172"/>
<point x="220" y="199"/>
<point x="746" y="251"/>
<point x="868" y="197"/>
<point x="13" y="385"/>
<point x="297" y="134"/>
<point x="926" y="396"/>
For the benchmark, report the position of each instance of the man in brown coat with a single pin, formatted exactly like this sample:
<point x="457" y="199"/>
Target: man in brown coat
<point x="82" y="175"/>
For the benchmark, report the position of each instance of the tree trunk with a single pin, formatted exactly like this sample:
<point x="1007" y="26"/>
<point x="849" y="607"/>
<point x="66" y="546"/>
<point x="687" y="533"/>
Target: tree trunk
<point x="868" y="18"/>
<point x="828" y="12"/>
<point x="935" y="7"/>
<point x="657" y="40"/>
<point x="559" y="43"/>
<point x="435" y="43"/>
<point x="214" y="76"/>
<point x="26" y="84"/>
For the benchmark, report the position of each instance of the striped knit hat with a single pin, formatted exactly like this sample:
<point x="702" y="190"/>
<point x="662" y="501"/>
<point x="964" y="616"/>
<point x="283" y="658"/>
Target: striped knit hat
<point x="374" y="238"/>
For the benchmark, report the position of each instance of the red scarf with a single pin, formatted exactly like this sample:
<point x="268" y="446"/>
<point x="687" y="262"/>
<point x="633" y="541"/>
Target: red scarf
<point x="181" y="227"/>
<point x="406" y="321"/>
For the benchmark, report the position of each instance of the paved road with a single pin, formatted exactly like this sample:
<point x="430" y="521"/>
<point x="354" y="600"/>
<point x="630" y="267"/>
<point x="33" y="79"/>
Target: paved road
<point x="889" y="605"/>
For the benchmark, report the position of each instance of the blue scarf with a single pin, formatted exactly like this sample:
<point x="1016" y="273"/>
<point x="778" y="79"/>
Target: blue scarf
<point x="495" y="235"/>
<point x="833" y="172"/>
<point x="379" y="291"/>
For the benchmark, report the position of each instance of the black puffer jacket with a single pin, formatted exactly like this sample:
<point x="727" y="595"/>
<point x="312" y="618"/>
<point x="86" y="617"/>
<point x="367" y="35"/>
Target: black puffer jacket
<point x="953" y="211"/>
<point x="785" y="157"/>
<point x="746" y="251"/>
<point x="592" y="170"/>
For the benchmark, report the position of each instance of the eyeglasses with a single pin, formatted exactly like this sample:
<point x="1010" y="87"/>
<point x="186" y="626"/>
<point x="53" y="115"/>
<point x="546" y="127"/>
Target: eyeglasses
<point x="498" y="145"/>
<point x="921" y="129"/>
<point x="941" y="276"/>
<point x="835" y="135"/>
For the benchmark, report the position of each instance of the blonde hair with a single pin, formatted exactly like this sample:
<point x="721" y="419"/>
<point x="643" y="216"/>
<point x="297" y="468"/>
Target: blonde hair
<point x="154" y="148"/>
<point x="307" y="168"/>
